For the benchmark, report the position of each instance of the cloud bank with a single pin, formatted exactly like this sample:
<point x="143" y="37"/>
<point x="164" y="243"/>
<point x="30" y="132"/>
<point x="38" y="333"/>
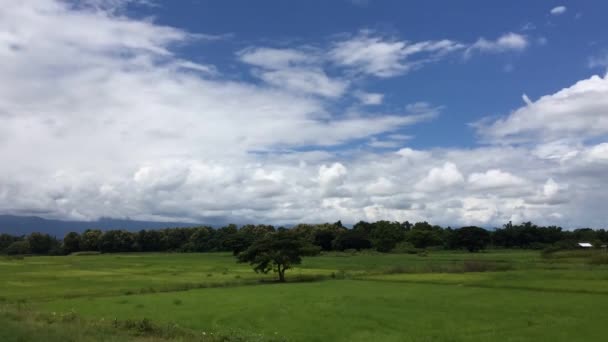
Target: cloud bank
<point x="87" y="132"/>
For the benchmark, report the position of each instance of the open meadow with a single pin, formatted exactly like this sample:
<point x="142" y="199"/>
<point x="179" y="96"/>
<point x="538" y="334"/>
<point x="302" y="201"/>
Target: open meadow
<point x="506" y="295"/>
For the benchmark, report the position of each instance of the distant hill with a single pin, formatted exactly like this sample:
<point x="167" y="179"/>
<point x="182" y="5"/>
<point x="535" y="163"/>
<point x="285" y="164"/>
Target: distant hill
<point x="20" y="225"/>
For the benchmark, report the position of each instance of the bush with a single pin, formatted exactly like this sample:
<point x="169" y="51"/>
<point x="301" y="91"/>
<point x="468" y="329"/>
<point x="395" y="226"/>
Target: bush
<point x="143" y="326"/>
<point x="18" y="248"/>
<point x="406" y="248"/>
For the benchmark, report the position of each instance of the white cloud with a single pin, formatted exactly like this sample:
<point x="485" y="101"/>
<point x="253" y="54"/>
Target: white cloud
<point x="598" y="61"/>
<point x="439" y="178"/>
<point x="275" y="59"/>
<point x="114" y="5"/>
<point x="372" y="54"/>
<point x="331" y="179"/>
<point x="493" y="179"/>
<point x="507" y="42"/>
<point x="550" y="189"/>
<point x="379" y="143"/>
<point x="369" y="99"/>
<point x="558" y="10"/>
<point x="528" y="27"/>
<point x="312" y="81"/>
<point x="294" y="70"/>
<point x="578" y="112"/>
<point x="598" y="153"/>
<point x="86" y="132"/>
<point x="381" y="187"/>
<point x="560" y="150"/>
<point x="477" y="210"/>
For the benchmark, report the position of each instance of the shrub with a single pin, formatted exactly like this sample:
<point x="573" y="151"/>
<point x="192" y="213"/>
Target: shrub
<point x="18" y="248"/>
<point x="406" y="247"/>
<point x="143" y="326"/>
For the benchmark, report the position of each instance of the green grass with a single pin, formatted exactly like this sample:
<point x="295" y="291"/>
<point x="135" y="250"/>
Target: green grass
<point x="352" y="310"/>
<point x="519" y="296"/>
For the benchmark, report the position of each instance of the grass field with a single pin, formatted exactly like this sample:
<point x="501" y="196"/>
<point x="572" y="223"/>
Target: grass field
<point x="445" y="296"/>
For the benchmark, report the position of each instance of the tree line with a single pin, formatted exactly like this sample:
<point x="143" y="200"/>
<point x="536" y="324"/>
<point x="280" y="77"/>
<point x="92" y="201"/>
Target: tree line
<point x="382" y="236"/>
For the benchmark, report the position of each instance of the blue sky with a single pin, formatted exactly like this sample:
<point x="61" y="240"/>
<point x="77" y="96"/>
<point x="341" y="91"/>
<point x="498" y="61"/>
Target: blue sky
<point x="468" y="89"/>
<point x="468" y="112"/>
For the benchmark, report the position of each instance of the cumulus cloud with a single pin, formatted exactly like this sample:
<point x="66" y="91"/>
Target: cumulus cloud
<point x="578" y="112"/>
<point x="331" y="179"/>
<point x="597" y="153"/>
<point x="86" y="132"/>
<point x="440" y="178"/>
<point x="493" y="179"/>
<point x="381" y="187"/>
<point x="558" y="10"/>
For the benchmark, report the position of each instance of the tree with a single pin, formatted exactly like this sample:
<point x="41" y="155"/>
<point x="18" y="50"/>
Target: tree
<point x="90" y="240"/>
<point x="473" y="239"/>
<point x="352" y="239"/>
<point x="385" y="235"/>
<point x="40" y="243"/>
<point x="324" y="238"/>
<point x="18" y="248"/>
<point x="5" y="241"/>
<point x="199" y="240"/>
<point x="149" y="241"/>
<point x="277" y="252"/>
<point x="113" y="241"/>
<point x="71" y="243"/>
<point x="423" y="238"/>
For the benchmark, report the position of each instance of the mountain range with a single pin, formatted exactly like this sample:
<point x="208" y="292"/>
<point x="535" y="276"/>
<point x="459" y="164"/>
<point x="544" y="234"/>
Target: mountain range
<point x="23" y="225"/>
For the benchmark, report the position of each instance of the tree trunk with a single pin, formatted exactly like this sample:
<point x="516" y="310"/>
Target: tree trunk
<point x="281" y="274"/>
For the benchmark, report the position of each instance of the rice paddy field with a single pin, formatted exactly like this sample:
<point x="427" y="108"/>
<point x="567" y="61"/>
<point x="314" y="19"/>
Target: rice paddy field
<point x="496" y="295"/>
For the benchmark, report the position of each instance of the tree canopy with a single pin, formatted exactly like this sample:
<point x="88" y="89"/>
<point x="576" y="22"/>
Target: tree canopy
<point x="277" y="252"/>
<point x="383" y="236"/>
<point x="472" y="238"/>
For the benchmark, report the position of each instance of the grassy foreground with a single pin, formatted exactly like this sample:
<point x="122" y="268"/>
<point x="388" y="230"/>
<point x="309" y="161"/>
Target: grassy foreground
<point x="445" y="296"/>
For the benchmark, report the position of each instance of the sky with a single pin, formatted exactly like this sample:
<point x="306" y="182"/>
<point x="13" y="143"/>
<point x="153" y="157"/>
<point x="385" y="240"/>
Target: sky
<point x="280" y="112"/>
